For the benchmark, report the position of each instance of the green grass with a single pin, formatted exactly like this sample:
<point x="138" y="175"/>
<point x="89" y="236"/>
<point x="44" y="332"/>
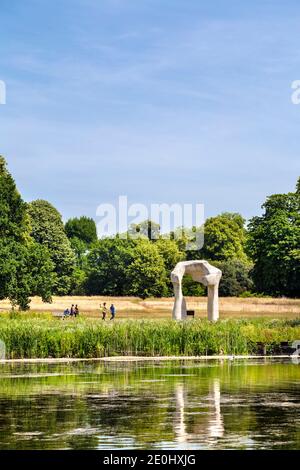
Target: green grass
<point x="36" y="336"/>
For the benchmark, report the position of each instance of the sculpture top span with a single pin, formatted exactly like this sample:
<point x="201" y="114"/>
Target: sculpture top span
<point x="200" y="271"/>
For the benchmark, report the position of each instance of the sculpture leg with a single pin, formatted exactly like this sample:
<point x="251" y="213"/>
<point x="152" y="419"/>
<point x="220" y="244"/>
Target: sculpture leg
<point x="179" y="309"/>
<point x="177" y="301"/>
<point x="213" y="302"/>
<point x="183" y="309"/>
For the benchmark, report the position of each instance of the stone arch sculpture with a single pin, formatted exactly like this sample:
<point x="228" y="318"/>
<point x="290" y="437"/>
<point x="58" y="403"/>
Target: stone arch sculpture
<point x="200" y="271"/>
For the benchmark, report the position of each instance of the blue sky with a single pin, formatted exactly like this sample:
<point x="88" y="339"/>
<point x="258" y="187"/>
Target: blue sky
<point x="168" y="101"/>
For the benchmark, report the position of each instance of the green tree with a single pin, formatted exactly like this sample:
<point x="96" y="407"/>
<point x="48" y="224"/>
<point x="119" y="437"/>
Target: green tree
<point x="273" y="243"/>
<point x="25" y="267"/>
<point x="14" y="222"/>
<point x="81" y="251"/>
<point x="146" y="229"/>
<point x="171" y="255"/>
<point x="47" y="229"/>
<point x="126" y="267"/>
<point x="236" y="277"/>
<point x="192" y="288"/>
<point x="80" y="273"/>
<point x="82" y="228"/>
<point x="82" y="233"/>
<point x="108" y="261"/>
<point x="298" y="186"/>
<point x="224" y="238"/>
<point x="146" y="275"/>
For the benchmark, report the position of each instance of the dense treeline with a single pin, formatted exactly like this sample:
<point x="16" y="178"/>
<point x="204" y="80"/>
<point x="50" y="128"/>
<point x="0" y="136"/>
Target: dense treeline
<point x="39" y="255"/>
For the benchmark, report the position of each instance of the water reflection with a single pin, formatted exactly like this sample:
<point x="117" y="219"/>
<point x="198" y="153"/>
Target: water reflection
<point x="214" y="427"/>
<point x="239" y="404"/>
<point x="180" y="428"/>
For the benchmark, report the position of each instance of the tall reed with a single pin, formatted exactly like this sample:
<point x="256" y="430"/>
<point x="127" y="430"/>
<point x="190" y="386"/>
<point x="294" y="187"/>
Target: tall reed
<point x="40" y="337"/>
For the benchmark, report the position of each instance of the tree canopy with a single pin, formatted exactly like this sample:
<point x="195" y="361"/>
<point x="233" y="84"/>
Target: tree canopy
<point x="47" y="229"/>
<point x="41" y="256"/>
<point x="224" y="238"/>
<point x="274" y="245"/>
<point x="25" y="267"/>
<point x="82" y="228"/>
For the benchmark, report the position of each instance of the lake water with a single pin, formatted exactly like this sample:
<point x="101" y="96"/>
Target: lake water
<point x="239" y="404"/>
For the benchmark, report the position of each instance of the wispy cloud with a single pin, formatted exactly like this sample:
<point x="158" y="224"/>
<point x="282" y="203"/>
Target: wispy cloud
<point x="125" y="100"/>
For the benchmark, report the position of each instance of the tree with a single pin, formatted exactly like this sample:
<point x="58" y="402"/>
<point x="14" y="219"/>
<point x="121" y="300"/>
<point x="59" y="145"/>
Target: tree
<point x="298" y="186"/>
<point x="82" y="233"/>
<point x="25" y="267"/>
<point x="146" y="229"/>
<point x="108" y="260"/>
<point x="192" y="288"/>
<point x="30" y="273"/>
<point x="224" y="238"/>
<point x="47" y="229"/>
<point x="126" y="267"/>
<point x="82" y="228"/>
<point x="14" y="222"/>
<point x="171" y="255"/>
<point x="146" y="274"/>
<point x="273" y="243"/>
<point x="80" y="250"/>
<point x="235" y="278"/>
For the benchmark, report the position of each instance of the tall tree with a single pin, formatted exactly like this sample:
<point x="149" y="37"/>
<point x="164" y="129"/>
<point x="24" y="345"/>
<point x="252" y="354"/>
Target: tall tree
<point x="82" y="228"/>
<point x="126" y="267"/>
<point x="273" y="243"/>
<point x="47" y="228"/>
<point x="224" y="238"/>
<point x="146" y="274"/>
<point x="82" y="233"/>
<point x="108" y="261"/>
<point x="235" y="278"/>
<point x="146" y="229"/>
<point x="25" y="267"/>
<point x="14" y="222"/>
<point x="171" y="255"/>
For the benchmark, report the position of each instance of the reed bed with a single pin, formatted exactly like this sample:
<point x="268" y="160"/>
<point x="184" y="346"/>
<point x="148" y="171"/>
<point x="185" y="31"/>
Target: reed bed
<point x="40" y="336"/>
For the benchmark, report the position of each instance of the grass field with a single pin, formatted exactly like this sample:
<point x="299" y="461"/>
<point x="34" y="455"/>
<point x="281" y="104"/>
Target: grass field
<point x="135" y="308"/>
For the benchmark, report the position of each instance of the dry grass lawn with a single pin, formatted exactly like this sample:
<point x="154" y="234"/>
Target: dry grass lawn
<point x="132" y="307"/>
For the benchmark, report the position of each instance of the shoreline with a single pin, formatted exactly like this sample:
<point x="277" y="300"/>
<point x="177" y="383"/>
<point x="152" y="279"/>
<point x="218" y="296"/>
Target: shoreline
<point x="63" y="360"/>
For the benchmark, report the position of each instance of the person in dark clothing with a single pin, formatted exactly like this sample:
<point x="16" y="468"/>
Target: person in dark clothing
<point x="76" y="311"/>
<point x="112" y="311"/>
<point x="66" y="313"/>
<point x="72" y="311"/>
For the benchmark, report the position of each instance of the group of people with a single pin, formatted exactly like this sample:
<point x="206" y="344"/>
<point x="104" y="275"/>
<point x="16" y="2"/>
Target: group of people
<point x="72" y="312"/>
<point x="104" y="311"/>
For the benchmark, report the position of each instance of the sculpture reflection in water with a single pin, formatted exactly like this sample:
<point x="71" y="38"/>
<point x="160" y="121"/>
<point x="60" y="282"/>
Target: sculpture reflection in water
<point x="213" y="428"/>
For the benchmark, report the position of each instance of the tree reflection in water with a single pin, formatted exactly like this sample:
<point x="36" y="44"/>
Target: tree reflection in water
<point x="244" y="404"/>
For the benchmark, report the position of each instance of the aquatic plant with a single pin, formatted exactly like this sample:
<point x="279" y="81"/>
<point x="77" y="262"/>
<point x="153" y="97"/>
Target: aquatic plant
<point x="36" y="336"/>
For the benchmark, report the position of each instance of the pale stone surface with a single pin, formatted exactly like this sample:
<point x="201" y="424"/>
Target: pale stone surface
<point x="200" y="271"/>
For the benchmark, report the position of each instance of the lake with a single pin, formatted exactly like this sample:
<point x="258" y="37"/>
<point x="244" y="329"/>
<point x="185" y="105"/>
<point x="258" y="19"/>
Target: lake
<point x="213" y="404"/>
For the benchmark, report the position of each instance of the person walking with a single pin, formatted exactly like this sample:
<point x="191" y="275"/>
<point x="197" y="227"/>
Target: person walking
<point x="104" y="311"/>
<point x="112" y="311"/>
<point x="76" y="311"/>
